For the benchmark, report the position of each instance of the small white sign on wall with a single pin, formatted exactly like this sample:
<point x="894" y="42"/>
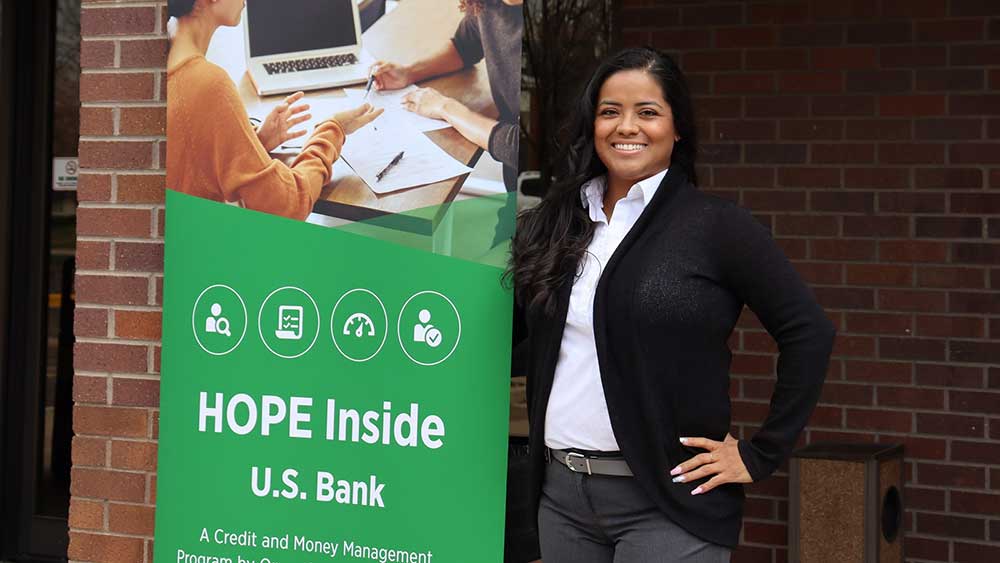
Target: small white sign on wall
<point x="65" y="170"/>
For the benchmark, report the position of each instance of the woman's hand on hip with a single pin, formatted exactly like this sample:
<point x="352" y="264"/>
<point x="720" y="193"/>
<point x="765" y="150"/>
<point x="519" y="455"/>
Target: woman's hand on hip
<point x="277" y="126"/>
<point x="722" y="461"/>
<point x="354" y="119"/>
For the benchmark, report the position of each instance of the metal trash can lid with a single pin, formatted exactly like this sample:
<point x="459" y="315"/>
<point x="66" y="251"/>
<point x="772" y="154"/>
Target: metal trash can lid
<point x="847" y="451"/>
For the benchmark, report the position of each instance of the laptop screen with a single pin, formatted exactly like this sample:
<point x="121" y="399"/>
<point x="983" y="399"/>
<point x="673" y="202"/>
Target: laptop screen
<point x="289" y="26"/>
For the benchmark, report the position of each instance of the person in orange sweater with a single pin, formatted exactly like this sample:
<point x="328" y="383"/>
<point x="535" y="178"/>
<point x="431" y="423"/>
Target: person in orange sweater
<point x="213" y="151"/>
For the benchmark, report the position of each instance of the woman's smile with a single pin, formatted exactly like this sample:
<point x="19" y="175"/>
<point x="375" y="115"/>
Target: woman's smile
<point x="628" y="148"/>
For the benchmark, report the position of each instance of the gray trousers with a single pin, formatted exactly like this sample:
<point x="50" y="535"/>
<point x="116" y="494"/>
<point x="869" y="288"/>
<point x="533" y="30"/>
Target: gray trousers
<point x="601" y="519"/>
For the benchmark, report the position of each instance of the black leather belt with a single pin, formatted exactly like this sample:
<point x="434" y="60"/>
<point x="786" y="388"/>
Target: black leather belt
<point x="591" y="465"/>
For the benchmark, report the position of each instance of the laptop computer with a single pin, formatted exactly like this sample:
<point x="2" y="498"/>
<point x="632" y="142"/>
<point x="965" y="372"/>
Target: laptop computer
<point x="296" y="45"/>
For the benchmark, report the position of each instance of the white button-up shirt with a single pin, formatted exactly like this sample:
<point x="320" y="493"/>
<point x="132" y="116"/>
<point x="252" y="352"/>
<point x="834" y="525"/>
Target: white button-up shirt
<point x="577" y="414"/>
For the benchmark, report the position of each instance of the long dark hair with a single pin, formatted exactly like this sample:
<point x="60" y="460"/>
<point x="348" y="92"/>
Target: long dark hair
<point x="179" y="8"/>
<point x="552" y="237"/>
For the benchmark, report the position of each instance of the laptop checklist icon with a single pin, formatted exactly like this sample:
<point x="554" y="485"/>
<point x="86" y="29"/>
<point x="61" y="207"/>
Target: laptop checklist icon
<point x="289" y="322"/>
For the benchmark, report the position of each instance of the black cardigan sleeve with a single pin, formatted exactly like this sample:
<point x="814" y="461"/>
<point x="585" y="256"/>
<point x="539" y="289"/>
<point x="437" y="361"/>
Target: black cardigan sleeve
<point x="761" y="275"/>
<point x="520" y="343"/>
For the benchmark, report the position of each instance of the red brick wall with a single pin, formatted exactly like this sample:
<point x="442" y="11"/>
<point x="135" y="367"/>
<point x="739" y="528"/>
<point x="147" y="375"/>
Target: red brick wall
<point x="866" y="134"/>
<point x="119" y="280"/>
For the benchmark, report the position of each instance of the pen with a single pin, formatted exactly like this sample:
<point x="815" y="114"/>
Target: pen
<point x="394" y="162"/>
<point x="371" y="80"/>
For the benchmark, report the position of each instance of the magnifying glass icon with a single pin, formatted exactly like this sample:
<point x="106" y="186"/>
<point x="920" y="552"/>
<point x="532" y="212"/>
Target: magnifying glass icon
<point x="223" y="329"/>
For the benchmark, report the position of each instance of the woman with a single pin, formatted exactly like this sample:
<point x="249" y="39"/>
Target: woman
<point x="631" y="281"/>
<point x="214" y="152"/>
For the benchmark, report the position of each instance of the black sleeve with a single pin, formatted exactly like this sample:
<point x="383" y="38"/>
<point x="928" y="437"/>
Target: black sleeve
<point x="761" y="275"/>
<point x="503" y="143"/>
<point x="468" y="41"/>
<point x="519" y="344"/>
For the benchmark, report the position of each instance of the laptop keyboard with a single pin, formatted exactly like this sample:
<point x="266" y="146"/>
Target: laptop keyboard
<point x="314" y="63"/>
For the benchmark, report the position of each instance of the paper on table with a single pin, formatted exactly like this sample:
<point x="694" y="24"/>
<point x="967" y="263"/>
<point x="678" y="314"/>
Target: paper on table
<point x="395" y="114"/>
<point x="369" y="151"/>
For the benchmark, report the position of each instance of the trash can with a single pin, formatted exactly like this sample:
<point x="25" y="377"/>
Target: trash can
<point x="846" y="504"/>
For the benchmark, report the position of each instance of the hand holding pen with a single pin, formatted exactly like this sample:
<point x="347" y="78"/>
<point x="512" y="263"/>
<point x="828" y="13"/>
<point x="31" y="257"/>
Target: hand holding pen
<point x="389" y="76"/>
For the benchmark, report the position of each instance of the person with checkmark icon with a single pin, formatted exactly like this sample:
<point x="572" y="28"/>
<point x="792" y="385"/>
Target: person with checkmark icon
<point x="426" y="332"/>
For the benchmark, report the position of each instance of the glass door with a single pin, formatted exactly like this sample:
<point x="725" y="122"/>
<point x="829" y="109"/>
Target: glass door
<point x="40" y="131"/>
<point x="55" y="416"/>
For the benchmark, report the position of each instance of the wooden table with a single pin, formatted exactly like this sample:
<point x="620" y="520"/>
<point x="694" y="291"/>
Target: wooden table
<point x="414" y="30"/>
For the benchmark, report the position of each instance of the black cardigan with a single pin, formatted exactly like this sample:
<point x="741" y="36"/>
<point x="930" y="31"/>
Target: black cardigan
<point x="664" y="310"/>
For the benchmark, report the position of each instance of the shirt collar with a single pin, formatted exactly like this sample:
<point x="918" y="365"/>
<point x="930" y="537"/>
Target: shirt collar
<point x="592" y="192"/>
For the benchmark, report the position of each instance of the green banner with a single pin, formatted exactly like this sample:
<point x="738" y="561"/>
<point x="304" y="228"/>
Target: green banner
<point x="328" y="395"/>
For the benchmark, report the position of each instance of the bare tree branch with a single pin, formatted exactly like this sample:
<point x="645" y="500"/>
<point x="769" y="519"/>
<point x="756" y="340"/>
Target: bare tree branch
<point x="563" y="41"/>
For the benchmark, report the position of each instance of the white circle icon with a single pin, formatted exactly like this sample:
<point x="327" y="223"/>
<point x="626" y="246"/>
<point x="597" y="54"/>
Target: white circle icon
<point x="214" y="325"/>
<point x="289" y="322"/>
<point x="355" y="330"/>
<point x="432" y="335"/>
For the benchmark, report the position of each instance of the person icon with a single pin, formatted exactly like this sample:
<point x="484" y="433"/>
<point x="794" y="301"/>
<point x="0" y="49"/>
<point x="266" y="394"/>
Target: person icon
<point x="217" y="323"/>
<point x="426" y="332"/>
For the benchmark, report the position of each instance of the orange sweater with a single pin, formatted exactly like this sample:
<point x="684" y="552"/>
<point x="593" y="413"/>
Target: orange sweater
<point x="213" y="152"/>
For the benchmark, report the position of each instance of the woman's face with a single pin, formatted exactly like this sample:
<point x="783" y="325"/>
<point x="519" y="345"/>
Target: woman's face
<point x="633" y="128"/>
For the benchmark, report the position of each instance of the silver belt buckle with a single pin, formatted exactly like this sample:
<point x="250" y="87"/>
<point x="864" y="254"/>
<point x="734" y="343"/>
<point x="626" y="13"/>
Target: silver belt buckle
<point x="569" y="462"/>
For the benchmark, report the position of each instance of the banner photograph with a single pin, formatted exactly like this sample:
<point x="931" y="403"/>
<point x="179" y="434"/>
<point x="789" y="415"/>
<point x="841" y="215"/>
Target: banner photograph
<point x="336" y="337"/>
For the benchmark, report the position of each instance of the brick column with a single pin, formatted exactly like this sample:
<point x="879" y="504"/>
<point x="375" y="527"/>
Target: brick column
<point x="866" y="135"/>
<point x="119" y="280"/>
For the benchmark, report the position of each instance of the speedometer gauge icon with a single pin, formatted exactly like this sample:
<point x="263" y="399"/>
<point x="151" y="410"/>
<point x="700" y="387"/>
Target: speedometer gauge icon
<point x="360" y="325"/>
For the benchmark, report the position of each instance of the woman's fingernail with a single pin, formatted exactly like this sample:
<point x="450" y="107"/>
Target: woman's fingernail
<point x="675" y="470"/>
<point x="696" y="491"/>
<point x="684" y="440"/>
<point x="679" y="479"/>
